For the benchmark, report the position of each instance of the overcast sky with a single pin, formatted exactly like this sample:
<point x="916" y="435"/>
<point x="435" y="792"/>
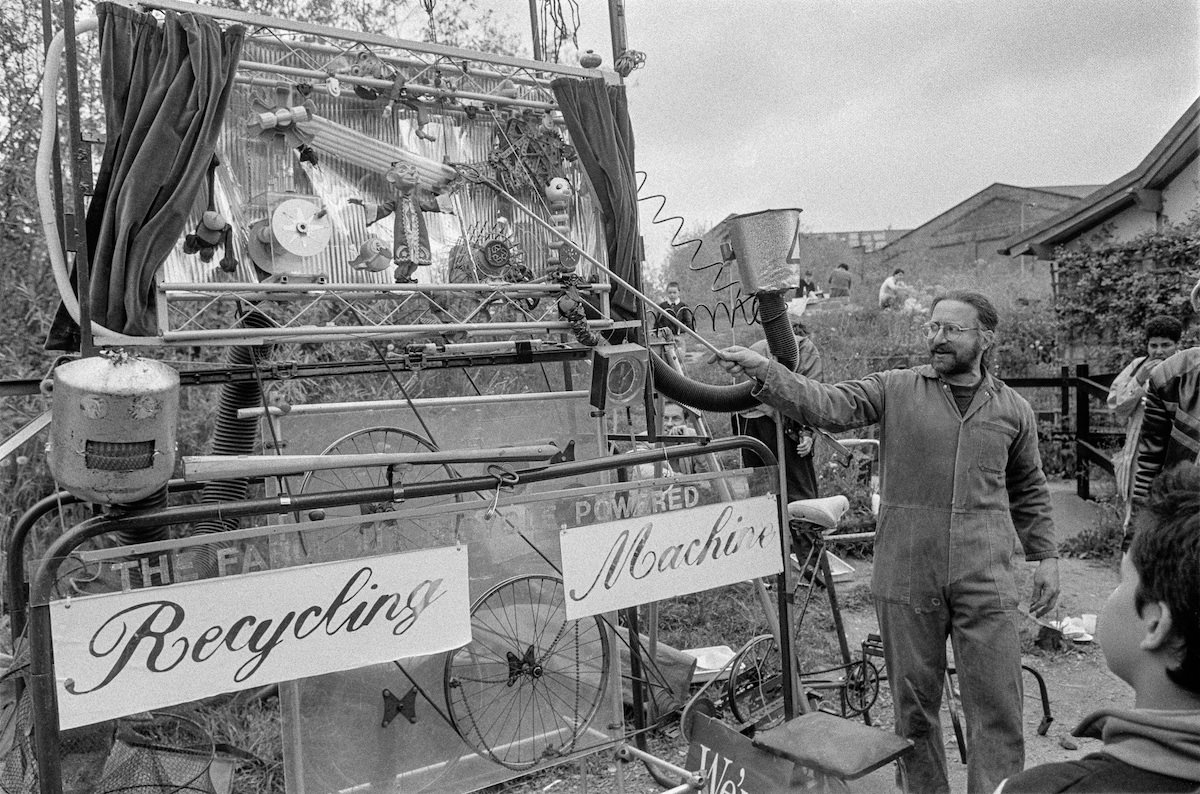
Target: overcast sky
<point x="881" y="113"/>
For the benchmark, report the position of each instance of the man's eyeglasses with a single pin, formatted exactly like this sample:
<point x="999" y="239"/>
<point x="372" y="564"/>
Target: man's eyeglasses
<point x="952" y="331"/>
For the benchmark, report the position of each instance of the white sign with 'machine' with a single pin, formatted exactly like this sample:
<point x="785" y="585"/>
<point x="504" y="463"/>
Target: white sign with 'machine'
<point x="618" y="564"/>
<point x="123" y="653"/>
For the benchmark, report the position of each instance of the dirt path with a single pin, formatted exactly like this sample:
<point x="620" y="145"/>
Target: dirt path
<point x="1077" y="680"/>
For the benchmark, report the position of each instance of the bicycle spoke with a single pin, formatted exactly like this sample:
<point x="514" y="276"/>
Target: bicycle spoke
<point x="530" y="681"/>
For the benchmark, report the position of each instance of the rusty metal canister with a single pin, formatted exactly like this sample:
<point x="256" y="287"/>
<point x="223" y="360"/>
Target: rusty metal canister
<point x="112" y="429"/>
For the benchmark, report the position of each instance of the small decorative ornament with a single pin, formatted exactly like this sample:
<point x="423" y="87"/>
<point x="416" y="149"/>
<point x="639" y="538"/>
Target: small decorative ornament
<point x="144" y="407"/>
<point x="558" y="192"/>
<point x="93" y="406"/>
<point x="507" y="89"/>
<point x="410" y="235"/>
<point x="211" y="231"/>
<point x="489" y="252"/>
<point x="528" y="151"/>
<point x="372" y="255"/>
<point x="496" y="254"/>
<point x="297" y="228"/>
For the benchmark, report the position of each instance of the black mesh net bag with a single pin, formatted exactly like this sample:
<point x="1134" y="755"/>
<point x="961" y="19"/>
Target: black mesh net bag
<point x="18" y="769"/>
<point x="162" y="754"/>
<point x="18" y="775"/>
<point x="81" y="751"/>
<point x="156" y="753"/>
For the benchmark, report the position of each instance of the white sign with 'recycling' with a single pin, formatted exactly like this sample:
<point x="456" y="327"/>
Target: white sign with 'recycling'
<point x="123" y="653"/>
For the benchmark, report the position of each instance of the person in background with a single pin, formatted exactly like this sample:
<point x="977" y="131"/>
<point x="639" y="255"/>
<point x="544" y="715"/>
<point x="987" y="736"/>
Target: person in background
<point x="677" y="309"/>
<point x="1171" y="422"/>
<point x="1128" y="389"/>
<point x="892" y="290"/>
<point x="1149" y="631"/>
<point x="807" y="285"/>
<point x="840" y="281"/>
<point x="961" y="483"/>
<point x="759" y="422"/>
<point x="678" y="421"/>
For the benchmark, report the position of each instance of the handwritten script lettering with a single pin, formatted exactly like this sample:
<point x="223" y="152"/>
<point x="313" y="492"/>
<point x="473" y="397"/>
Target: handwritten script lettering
<point x="718" y="777"/>
<point x="156" y="633"/>
<point x="636" y="556"/>
<point x="615" y="564"/>
<point x="731" y="764"/>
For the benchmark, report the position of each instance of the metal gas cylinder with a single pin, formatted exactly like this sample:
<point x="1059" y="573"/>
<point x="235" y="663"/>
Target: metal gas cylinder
<point x="112" y="429"/>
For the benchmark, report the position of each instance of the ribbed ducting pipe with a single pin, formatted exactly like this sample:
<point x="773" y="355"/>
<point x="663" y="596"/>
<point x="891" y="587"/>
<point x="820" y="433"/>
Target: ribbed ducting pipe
<point x="232" y="436"/>
<point x="154" y="501"/>
<point x="772" y="310"/>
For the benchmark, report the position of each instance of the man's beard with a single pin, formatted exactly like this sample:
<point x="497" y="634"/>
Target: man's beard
<point x="961" y="362"/>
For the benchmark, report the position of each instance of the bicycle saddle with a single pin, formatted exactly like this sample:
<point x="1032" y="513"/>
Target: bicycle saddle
<point x="822" y="512"/>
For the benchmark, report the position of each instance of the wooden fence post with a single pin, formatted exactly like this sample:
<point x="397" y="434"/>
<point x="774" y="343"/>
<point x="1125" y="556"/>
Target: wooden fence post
<point x="1064" y="407"/>
<point x="1083" y="430"/>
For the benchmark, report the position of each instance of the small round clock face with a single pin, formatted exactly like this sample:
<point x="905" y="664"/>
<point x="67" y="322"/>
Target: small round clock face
<point x="625" y="380"/>
<point x="568" y="256"/>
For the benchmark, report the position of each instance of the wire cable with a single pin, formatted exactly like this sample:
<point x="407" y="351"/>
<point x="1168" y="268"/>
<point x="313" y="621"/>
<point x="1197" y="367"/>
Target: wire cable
<point x="721" y="281"/>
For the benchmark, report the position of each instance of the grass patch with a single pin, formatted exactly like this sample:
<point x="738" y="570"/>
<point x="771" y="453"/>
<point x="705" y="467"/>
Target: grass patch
<point x="1103" y="540"/>
<point x="732" y="616"/>
<point x="254" y="727"/>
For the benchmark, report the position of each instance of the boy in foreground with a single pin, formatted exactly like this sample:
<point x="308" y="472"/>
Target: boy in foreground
<point x="1149" y="631"/>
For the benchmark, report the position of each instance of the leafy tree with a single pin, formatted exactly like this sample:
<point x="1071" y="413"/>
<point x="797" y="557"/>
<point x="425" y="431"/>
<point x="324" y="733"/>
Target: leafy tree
<point x="462" y="23"/>
<point x="1107" y="292"/>
<point x="23" y="267"/>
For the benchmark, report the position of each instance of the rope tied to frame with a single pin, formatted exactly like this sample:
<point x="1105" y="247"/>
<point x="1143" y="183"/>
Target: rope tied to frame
<point x="506" y="479"/>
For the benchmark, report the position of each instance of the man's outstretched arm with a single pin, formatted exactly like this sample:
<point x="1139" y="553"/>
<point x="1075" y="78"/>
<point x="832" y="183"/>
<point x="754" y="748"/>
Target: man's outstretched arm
<point x="836" y="406"/>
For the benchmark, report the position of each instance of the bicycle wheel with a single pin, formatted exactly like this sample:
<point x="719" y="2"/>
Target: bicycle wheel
<point x="382" y="537"/>
<point x="861" y="688"/>
<point x="755" y="689"/>
<point x="530" y="681"/>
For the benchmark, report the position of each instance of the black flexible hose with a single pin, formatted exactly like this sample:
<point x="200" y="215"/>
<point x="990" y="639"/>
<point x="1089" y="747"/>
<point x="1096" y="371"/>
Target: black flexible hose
<point x="772" y="312"/>
<point x="772" y="309"/>
<point x="154" y="501"/>
<point x="232" y="436"/>
<point x="128" y="537"/>
<point x="702" y="396"/>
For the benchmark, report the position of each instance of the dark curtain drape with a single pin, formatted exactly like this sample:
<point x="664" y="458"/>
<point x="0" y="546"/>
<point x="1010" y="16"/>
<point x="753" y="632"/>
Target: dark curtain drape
<point x="165" y="88"/>
<point x="597" y="118"/>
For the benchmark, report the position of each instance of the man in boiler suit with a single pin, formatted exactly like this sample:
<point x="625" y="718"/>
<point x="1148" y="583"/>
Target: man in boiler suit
<point x="961" y="483"/>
